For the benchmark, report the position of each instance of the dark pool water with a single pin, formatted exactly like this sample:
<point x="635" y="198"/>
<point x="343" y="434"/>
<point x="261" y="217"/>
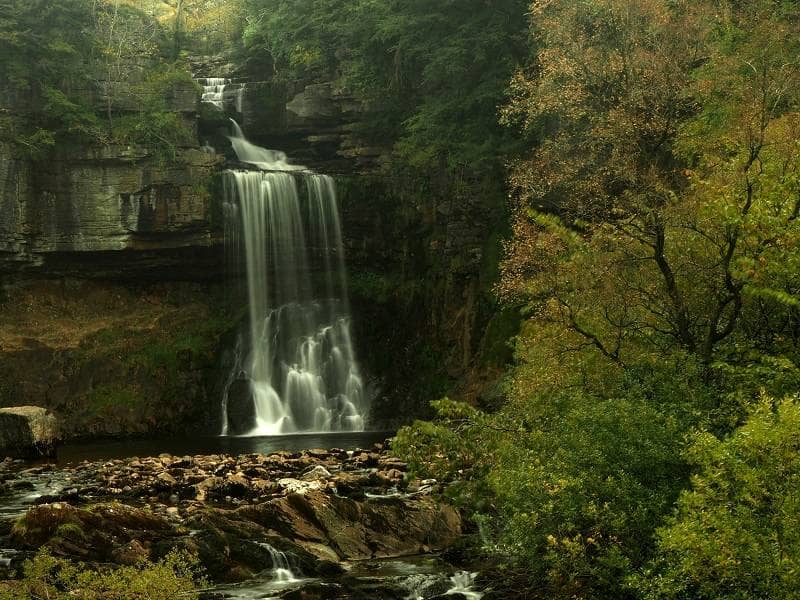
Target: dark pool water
<point x="180" y="446"/>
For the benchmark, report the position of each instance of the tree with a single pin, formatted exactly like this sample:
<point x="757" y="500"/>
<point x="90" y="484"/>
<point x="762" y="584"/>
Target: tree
<point x="431" y="72"/>
<point x="671" y="161"/>
<point x="46" y="47"/>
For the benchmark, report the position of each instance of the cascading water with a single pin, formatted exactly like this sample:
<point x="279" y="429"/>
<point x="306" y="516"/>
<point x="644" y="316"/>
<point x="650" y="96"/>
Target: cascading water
<point x="281" y="569"/>
<point x="463" y="582"/>
<point x="214" y="90"/>
<point x="301" y="368"/>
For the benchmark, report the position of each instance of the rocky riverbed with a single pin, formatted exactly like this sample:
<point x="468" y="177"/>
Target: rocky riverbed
<point x="310" y="524"/>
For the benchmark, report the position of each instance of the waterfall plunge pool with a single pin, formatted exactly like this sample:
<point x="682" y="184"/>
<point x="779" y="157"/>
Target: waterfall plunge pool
<point x="194" y="445"/>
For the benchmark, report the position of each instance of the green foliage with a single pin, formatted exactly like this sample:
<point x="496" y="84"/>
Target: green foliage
<point x="154" y="125"/>
<point x="67" y="62"/>
<point x="432" y="72"/>
<point x="44" y="45"/>
<point x="582" y="492"/>
<point x="46" y="576"/>
<point x="654" y="249"/>
<point x="372" y="285"/>
<point x="568" y="489"/>
<point x="675" y="228"/>
<point x="445" y="449"/>
<point x="736" y="532"/>
<point x="112" y="396"/>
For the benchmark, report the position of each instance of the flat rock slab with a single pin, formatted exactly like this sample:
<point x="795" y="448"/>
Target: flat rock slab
<point x="28" y="432"/>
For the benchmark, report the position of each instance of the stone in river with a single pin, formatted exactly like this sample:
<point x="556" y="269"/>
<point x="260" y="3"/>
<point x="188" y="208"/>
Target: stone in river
<point x="241" y="408"/>
<point x="28" y="432"/>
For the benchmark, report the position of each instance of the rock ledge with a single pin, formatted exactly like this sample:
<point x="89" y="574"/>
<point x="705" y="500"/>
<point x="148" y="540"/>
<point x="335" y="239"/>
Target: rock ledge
<point x="28" y="432"/>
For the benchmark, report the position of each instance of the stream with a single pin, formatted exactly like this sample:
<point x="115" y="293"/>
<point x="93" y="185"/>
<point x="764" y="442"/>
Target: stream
<point x="27" y="484"/>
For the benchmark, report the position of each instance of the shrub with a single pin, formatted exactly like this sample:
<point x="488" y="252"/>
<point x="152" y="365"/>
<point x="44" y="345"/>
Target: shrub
<point x="568" y="489"/>
<point x="736" y="533"/>
<point x="46" y="576"/>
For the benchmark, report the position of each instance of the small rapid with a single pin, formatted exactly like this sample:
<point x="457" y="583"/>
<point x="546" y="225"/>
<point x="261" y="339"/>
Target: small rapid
<point x="281" y="569"/>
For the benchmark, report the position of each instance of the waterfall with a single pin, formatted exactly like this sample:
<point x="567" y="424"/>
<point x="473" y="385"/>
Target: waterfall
<point x="214" y="90"/>
<point x="281" y="570"/>
<point x="462" y="583"/>
<point x="301" y="369"/>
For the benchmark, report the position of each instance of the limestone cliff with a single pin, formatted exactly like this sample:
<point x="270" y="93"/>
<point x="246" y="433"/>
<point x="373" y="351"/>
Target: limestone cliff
<point x="94" y="323"/>
<point x="134" y="350"/>
<point x="103" y="200"/>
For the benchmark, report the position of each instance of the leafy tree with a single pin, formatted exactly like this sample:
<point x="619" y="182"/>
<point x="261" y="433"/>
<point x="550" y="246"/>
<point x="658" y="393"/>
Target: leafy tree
<point x="654" y="247"/>
<point x="68" y="62"/>
<point x="671" y="214"/>
<point x="45" y="48"/>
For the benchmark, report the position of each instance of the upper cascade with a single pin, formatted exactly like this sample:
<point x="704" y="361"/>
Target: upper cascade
<point x="214" y="92"/>
<point x="282" y="223"/>
<point x="268" y="160"/>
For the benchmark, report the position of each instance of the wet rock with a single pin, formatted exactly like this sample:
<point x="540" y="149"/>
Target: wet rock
<point x="166" y="479"/>
<point x="132" y="553"/>
<point x="90" y="534"/>
<point x="351" y="484"/>
<point x="28" y="432"/>
<point x="316" y="473"/>
<point x="241" y="408"/>
<point x="22" y="484"/>
<point x="311" y="505"/>
<point x="295" y="486"/>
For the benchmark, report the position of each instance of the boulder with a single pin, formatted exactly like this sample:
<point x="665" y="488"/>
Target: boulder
<point x="241" y="409"/>
<point x="28" y="432"/>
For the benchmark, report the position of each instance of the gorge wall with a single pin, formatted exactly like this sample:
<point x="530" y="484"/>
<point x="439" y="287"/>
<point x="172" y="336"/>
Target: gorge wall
<point x="422" y="254"/>
<point x="102" y="211"/>
<point x="114" y="312"/>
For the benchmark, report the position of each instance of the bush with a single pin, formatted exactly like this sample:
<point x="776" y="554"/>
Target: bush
<point x="176" y="576"/>
<point x="736" y="534"/>
<point x="568" y="489"/>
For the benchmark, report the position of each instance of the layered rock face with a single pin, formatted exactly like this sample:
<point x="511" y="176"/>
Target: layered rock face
<point x="109" y="258"/>
<point x="105" y="211"/>
<point x="108" y="200"/>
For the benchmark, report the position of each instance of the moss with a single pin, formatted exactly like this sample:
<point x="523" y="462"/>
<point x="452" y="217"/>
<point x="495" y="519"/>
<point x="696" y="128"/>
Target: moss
<point x="497" y="348"/>
<point x="370" y="285"/>
<point x="112" y="396"/>
<point x="39" y="523"/>
<point x="72" y="532"/>
<point x="216" y="193"/>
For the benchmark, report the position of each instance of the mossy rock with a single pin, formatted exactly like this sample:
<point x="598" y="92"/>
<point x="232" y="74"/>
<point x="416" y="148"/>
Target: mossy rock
<point x="95" y="533"/>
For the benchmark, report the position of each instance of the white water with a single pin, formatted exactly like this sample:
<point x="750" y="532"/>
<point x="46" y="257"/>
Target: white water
<point x="462" y="584"/>
<point x="281" y="577"/>
<point x="214" y="90"/>
<point x="281" y="569"/>
<point x="268" y="160"/>
<point x="301" y="366"/>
